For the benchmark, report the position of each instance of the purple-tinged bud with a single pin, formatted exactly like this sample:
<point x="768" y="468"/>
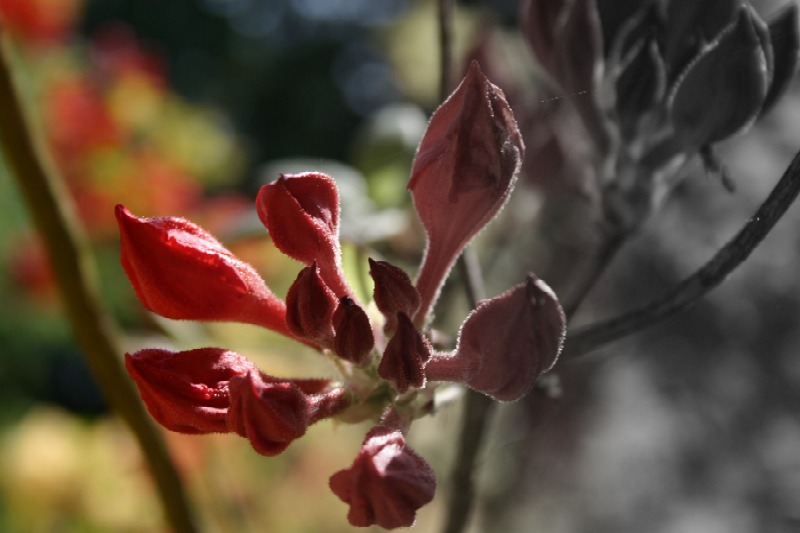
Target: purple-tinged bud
<point x="301" y="213"/>
<point x="187" y="391"/>
<point x="270" y="414"/>
<point x="394" y="292"/>
<point x="463" y="173"/>
<point x="354" y="339"/>
<point x="387" y="483"/>
<point x="506" y="343"/>
<point x="404" y="358"/>
<point x="309" y="307"/>
<point x="180" y="271"/>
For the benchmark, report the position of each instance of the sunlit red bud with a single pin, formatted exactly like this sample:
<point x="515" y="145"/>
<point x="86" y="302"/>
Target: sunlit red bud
<point x="354" y="339"/>
<point x="394" y="292"/>
<point x="301" y="213"/>
<point x="309" y="307"/>
<point x="387" y="482"/>
<point x="187" y="391"/>
<point x="404" y="358"/>
<point x="180" y="271"/>
<point x="463" y="173"/>
<point x="506" y="343"/>
<point x="270" y="414"/>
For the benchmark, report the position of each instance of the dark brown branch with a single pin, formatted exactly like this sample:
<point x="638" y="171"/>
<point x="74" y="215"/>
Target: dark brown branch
<point x="588" y="338"/>
<point x="477" y="409"/>
<point x="49" y="205"/>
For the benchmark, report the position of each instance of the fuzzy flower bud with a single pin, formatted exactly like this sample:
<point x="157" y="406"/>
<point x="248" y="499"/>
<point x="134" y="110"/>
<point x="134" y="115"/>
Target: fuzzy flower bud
<point x="393" y="292"/>
<point x="404" y="358"/>
<point x="506" y="343"/>
<point x="269" y="414"/>
<point x="301" y="213"/>
<point x="705" y="105"/>
<point x="354" y="339"/>
<point x="463" y="173"/>
<point x="309" y="307"/>
<point x="387" y="482"/>
<point x="180" y="271"/>
<point x="187" y="391"/>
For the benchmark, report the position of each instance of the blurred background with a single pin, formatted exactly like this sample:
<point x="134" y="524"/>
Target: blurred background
<point x="186" y="107"/>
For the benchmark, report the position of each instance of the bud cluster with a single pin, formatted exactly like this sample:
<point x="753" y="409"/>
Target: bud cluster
<point x="656" y="82"/>
<point x="464" y="171"/>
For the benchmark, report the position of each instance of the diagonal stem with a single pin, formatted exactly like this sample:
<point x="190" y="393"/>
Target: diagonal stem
<point x="52" y="213"/>
<point x="588" y="338"/>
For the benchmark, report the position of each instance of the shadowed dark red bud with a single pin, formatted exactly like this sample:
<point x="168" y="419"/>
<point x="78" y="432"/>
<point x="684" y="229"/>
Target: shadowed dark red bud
<point x="270" y="414"/>
<point x="404" y="358"/>
<point x="301" y="213"/>
<point x="705" y="106"/>
<point x="785" y="41"/>
<point x="386" y="483"/>
<point x="309" y="307"/>
<point x="187" y="391"/>
<point x="180" y="271"/>
<point x="393" y="292"/>
<point x="566" y="37"/>
<point x="506" y="343"/>
<point x="354" y="340"/>
<point x="463" y="173"/>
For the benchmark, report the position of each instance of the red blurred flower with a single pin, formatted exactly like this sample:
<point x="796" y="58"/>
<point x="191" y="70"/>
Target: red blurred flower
<point x="40" y="21"/>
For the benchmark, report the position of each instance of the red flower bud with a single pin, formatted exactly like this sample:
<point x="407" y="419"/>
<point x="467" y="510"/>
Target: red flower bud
<point x="463" y="173"/>
<point x="506" y="343"/>
<point x="405" y="356"/>
<point x="387" y="482"/>
<point x="354" y="339"/>
<point x="309" y="307"/>
<point x="271" y="414"/>
<point x="393" y="293"/>
<point x="301" y="213"/>
<point x="187" y="391"/>
<point x="180" y="271"/>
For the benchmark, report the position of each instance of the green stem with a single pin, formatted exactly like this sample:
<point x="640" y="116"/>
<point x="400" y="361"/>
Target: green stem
<point x="53" y="215"/>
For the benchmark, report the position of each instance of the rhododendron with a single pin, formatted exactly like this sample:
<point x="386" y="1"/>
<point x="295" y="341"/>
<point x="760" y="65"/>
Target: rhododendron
<point x="464" y="171"/>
